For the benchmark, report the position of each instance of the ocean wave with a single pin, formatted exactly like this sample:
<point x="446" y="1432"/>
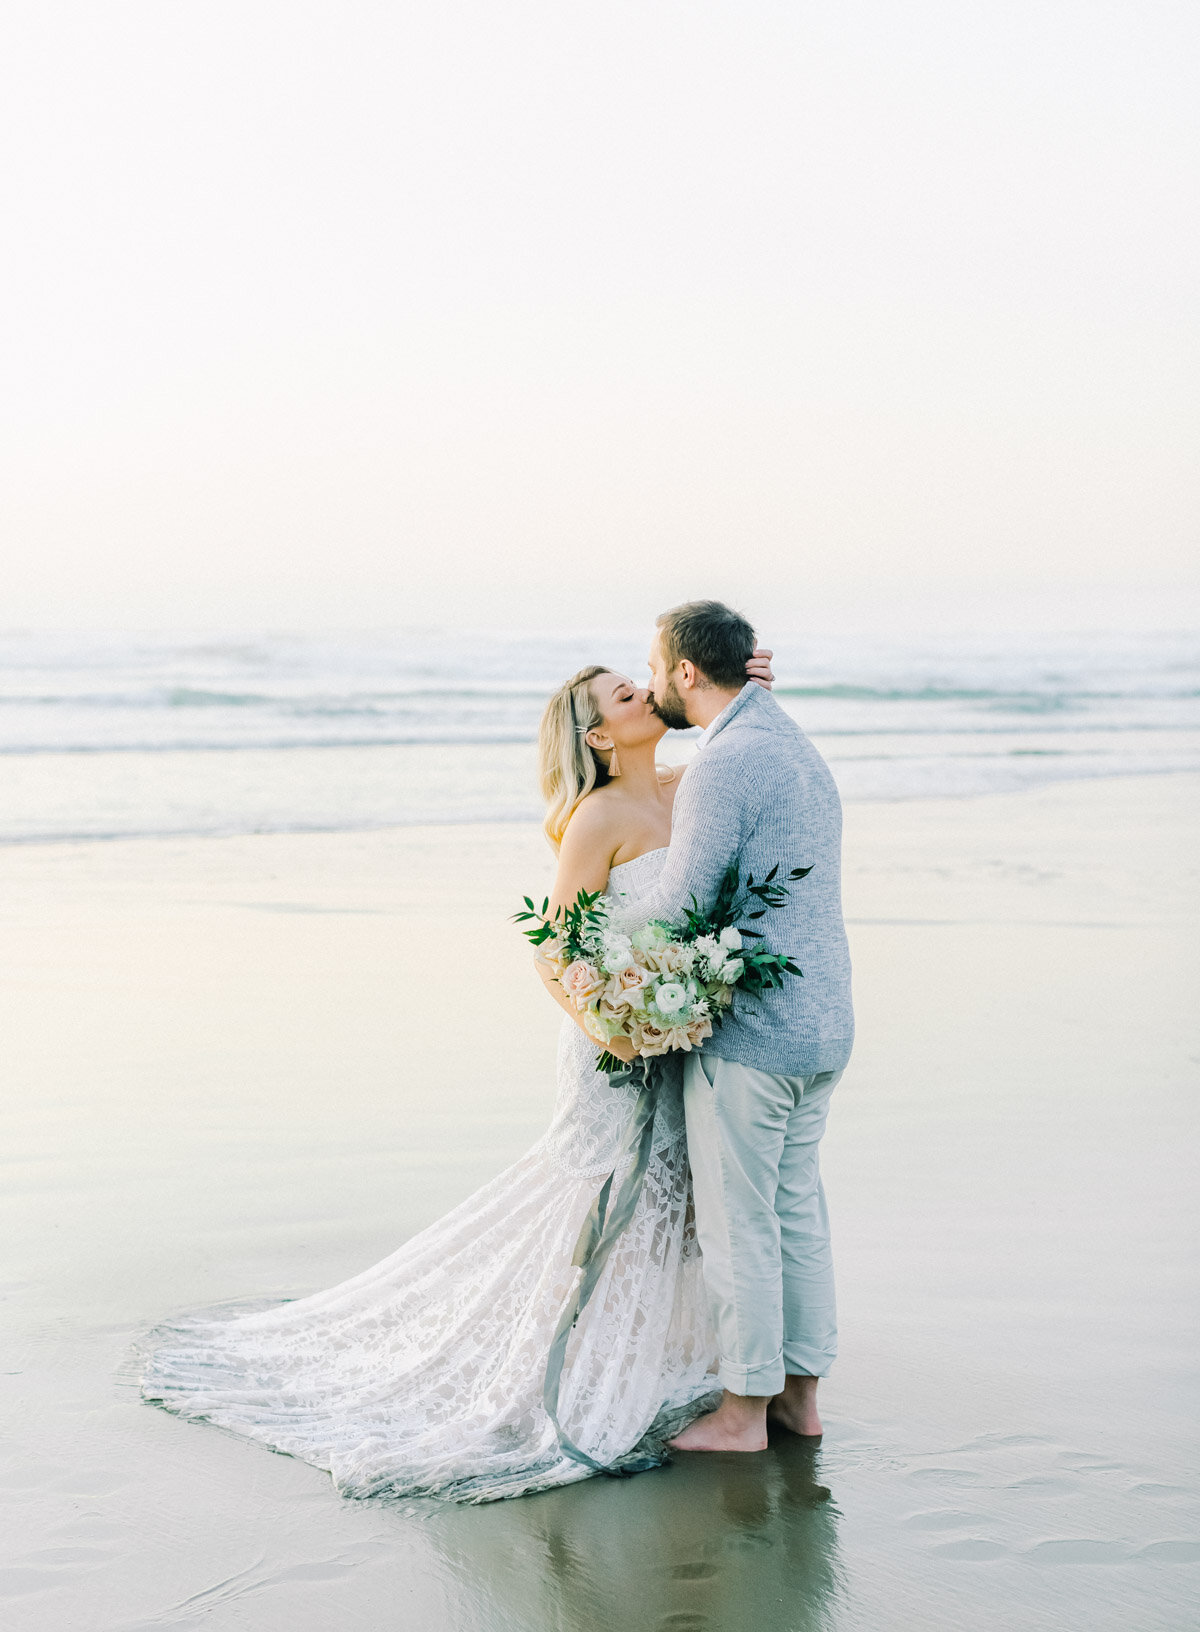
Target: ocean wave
<point x="265" y="745"/>
<point x="117" y="735"/>
<point x="441" y="738"/>
<point x="506" y="693"/>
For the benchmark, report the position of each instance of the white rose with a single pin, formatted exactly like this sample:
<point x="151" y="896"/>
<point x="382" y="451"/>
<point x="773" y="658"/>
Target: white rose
<point x="671" y="997"/>
<point x="616" y="997"/>
<point x="731" y="939"/>
<point x="676" y="959"/>
<point x="731" y="972"/>
<point x="650" y="935"/>
<point x="618" y="953"/>
<point x="551" y="954"/>
<point x="602" y="1031"/>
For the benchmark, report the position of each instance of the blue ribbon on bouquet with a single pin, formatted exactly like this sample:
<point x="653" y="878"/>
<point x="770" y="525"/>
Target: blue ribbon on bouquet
<point x="604" y="1225"/>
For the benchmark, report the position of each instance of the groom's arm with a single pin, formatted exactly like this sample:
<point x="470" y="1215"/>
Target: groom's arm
<point x="713" y="812"/>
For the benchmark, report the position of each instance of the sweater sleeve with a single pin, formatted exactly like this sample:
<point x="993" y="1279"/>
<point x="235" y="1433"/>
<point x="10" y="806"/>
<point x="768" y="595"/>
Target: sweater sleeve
<point x="713" y="811"/>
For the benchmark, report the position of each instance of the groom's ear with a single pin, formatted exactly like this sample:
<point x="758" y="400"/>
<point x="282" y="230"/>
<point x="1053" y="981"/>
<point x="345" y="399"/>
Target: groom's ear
<point x="687" y="673"/>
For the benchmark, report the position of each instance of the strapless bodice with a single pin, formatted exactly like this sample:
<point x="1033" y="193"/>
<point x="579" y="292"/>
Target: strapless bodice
<point x="629" y="884"/>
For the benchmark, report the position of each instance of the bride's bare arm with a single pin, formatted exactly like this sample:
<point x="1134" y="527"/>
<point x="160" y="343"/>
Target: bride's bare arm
<point x="586" y="853"/>
<point x="584" y="860"/>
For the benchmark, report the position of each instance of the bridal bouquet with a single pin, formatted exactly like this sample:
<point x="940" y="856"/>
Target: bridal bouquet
<point x="664" y="986"/>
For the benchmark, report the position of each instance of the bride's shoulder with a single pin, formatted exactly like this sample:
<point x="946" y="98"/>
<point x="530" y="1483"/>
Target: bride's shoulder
<point x="594" y="817"/>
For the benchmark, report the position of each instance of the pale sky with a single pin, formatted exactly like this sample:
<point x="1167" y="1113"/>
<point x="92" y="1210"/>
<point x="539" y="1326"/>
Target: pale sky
<point x="361" y="313"/>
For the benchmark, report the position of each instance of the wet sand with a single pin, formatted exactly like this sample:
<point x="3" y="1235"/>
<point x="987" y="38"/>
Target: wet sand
<point x="212" y="1088"/>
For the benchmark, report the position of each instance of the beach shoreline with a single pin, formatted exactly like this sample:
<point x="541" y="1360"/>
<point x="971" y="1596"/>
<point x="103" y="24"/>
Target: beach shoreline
<point x="244" y="1066"/>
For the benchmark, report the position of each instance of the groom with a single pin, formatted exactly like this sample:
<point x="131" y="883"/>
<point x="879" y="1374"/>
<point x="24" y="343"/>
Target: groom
<point x="757" y="1095"/>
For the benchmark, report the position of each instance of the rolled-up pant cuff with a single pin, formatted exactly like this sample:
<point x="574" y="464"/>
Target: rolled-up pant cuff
<point x="799" y="1361"/>
<point x="757" y="1380"/>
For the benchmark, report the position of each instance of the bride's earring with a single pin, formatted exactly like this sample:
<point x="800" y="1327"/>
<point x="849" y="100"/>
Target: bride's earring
<point x="614" y="768"/>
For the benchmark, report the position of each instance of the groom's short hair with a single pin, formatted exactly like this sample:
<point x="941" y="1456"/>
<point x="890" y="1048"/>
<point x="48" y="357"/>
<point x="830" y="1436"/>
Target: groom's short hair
<point x="709" y="634"/>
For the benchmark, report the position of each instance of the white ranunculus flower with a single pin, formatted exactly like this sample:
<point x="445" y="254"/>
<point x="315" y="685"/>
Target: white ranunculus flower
<point x="671" y="996"/>
<point x="731" y="939"/>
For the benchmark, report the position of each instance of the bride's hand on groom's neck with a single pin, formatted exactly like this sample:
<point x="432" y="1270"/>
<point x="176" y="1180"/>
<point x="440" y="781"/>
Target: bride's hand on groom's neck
<point x="759" y="667"/>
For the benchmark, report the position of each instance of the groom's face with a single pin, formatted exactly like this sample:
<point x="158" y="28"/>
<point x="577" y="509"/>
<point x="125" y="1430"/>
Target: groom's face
<point x="664" y="694"/>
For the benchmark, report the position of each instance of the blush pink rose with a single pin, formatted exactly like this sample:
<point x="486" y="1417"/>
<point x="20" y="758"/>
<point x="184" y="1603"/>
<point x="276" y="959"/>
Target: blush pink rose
<point x="653" y="1039"/>
<point x="686" y="1038"/>
<point x="617" y="1013"/>
<point x="580" y="982"/>
<point x="615" y="996"/>
<point x="667" y="960"/>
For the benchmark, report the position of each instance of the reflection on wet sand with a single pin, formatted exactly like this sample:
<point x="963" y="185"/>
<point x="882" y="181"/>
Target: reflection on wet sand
<point x="211" y="1091"/>
<point x="708" y="1542"/>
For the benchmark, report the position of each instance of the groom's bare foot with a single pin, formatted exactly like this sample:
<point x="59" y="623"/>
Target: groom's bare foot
<point x="738" y="1424"/>
<point x="796" y="1407"/>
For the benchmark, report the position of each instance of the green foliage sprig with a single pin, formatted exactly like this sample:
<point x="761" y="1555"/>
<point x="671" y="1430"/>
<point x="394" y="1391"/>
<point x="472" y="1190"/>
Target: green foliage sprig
<point x="762" y="969"/>
<point x="571" y="925"/>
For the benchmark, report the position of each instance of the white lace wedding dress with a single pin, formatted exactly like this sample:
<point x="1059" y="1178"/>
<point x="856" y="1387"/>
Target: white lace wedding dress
<point x="424" y="1374"/>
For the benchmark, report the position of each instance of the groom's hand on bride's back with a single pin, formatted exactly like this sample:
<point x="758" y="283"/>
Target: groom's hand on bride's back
<point x="759" y="667"/>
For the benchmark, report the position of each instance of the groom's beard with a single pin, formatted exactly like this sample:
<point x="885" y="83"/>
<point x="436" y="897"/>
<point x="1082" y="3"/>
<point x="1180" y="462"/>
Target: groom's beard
<point x="670" y="709"/>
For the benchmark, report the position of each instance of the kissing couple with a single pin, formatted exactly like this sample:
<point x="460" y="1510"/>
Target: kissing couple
<point x="714" y="1310"/>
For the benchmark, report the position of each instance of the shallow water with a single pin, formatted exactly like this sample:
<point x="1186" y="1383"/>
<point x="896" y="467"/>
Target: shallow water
<point x="213" y="1089"/>
<point x="116" y="735"/>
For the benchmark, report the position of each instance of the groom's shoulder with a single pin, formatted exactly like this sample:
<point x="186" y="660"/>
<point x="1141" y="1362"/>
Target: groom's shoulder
<point x="761" y="729"/>
<point x="766" y="753"/>
<point x="760" y="713"/>
<point x="745" y="759"/>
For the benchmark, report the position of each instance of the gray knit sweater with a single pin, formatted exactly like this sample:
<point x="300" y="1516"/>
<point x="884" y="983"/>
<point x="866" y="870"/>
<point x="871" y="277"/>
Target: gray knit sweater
<point x="758" y="792"/>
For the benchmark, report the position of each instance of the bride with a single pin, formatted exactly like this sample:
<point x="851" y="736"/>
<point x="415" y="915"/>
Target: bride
<point x="424" y="1375"/>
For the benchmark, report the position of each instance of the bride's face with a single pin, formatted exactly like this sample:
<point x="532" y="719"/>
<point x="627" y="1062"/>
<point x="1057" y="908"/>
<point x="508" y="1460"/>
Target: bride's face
<point x="628" y="716"/>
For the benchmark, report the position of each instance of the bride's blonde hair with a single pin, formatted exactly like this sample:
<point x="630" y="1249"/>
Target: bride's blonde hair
<point x="568" y="767"/>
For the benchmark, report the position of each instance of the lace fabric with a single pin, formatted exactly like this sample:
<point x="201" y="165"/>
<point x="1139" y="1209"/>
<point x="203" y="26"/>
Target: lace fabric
<point x="423" y="1375"/>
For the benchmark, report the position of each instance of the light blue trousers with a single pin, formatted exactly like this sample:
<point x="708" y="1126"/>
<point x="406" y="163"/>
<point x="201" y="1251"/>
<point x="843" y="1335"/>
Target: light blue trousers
<point x="761" y="1219"/>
